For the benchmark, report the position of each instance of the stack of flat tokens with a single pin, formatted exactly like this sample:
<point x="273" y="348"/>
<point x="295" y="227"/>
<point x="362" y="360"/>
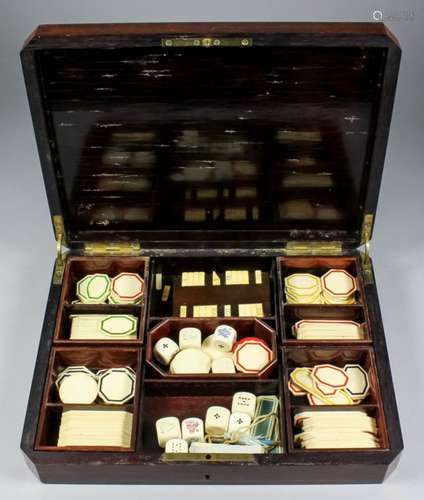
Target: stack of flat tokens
<point x="303" y="288"/>
<point x="336" y="286"/>
<point x="330" y="385"/>
<point x="220" y="352"/>
<point x="103" y="327"/>
<point x="95" y="428"/>
<point x="316" y="329"/>
<point x="341" y="429"/>
<point x="79" y="385"/>
<point x="125" y="288"/>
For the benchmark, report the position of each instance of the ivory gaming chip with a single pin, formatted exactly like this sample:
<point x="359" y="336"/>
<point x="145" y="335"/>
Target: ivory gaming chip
<point x="94" y="288"/>
<point x="223" y="365"/>
<point x="167" y="428"/>
<point x="244" y="402"/>
<point x="176" y="445"/>
<point x="358" y="384"/>
<point x="193" y="279"/>
<point x="212" y="352"/>
<point x="78" y="387"/>
<point x="255" y="310"/>
<point x="190" y="361"/>
<point x="73" y="369"/>
<point x="116" y="385"/>
<point x="338" y="282"/>
<point x="164" y="350"/>
<point x="205" y="311"/>
<point x="251" y="355"/>
<point x="127" y="288"/>
<point x="224" y="338"/>
<point x="118" y="325"/>
<point x="217" y="420"/>
<point x="327" y="330"/>
<point x="302" y="378"/>
<point x="190" y="337"/>
<point x="302" y="282"/>
<point x="340" y="397"/>
<point x="325" y="390"/>
<point x="236" y="277"/>
<point x="295" y="389"/>
<point x="330" y="375"/>
<point x="192" y="430"/>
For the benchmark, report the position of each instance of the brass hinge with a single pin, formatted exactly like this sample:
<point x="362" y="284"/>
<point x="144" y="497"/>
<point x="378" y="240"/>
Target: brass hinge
<point x="184" y="41"/>
<point x="365" y="253"/>
<point x="127" y="248"/>
<point x="314" y="248"/>
<point x="61" y="250"/>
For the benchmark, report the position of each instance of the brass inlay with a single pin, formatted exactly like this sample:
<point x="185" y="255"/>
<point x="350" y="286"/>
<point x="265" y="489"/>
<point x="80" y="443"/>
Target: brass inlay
<point x="112" y="248"/>
<point x="314" y="248"/>
<point x="207" y="457"/>
<point x="184" y="41"/>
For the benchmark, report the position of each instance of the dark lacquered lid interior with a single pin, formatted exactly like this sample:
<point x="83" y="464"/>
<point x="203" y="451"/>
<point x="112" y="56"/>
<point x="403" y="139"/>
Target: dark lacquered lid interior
<point x="215" y="142"/>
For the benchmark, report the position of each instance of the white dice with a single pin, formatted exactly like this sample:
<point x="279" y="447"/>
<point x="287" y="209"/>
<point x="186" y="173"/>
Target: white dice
<point x="176" y="446"/>
<point x="217" y="419"/>
<point x="164" y="350"/>
<point x="239" y="423"/>
<point x="223" y="338"/>
<point x="244" y="402"/>
<point x="192" y="430"/>
<point x="190" y="337"/>
<point x="223" y="365"/>
<point x="167" y="428"/>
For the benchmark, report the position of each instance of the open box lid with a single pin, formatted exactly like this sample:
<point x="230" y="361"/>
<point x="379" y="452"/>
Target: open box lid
<point x="237" y="134"/>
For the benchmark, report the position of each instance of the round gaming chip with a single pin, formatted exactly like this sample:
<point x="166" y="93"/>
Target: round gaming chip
<point x="127" y="288"/>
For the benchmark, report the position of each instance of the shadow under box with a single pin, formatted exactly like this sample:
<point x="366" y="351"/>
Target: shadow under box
<point x="185" y="399"/>
<point x="167" y="293"/>
<point x="245" y="328"/>
<point x="318" y="266"/>
<point x="294" y="313"/>
<point x="94" y="359"/>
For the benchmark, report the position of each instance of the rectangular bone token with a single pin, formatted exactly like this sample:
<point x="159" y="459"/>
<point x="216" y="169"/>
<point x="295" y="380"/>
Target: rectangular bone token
<point x="192" y="430"/>
<point x="226" y="448"/>
<point x="176" y="445"/>
<point x="205" y="311"/>
<point x="251" y="310"/>
<point x="217" y="420"/>
<point x="236" y="277"/>
<point x="167" y="428"/>
<point x="193" y="279"/>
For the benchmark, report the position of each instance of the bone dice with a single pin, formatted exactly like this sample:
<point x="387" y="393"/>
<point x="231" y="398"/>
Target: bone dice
<point x="239" y="423"/>
<point x="167" y="428"/>
<point x="244" y="402"/>
<point x="217" y="419"/>
<point x="223" y="338"/>
<point x="192" y="430"/>
<point x="164" y="350"/>
<point x="176" y="446"/>
<point x="190" y="337"/>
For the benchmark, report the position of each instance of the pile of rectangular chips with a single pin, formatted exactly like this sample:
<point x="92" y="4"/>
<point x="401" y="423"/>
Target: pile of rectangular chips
<point x="103" y="327"/>
<point x="316" y="329"/>
<point x="336" y="429"/>
<point x="95" y="428"/>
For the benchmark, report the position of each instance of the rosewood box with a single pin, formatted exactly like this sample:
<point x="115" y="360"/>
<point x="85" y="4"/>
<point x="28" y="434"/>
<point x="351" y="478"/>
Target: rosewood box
<point x="171" y="148"/>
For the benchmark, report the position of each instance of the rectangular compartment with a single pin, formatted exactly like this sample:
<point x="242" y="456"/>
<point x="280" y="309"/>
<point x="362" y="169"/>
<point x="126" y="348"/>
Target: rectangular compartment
<point x="183" y="399"/>
<point x="168" y="304"/>
<point x="94" y="359"/>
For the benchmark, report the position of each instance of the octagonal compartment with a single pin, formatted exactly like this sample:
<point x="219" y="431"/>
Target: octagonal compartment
<point x="245" y="328"/>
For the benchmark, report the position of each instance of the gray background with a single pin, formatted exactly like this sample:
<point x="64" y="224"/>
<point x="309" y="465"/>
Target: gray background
<point x="27" y="244"/>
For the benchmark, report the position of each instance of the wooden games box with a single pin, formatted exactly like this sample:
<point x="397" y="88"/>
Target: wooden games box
<point x="171" y="148"/>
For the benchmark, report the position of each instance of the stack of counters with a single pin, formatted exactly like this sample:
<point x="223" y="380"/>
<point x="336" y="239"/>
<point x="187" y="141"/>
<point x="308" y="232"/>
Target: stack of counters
<point x="224" y="338"/>
<point x="338" y="287"/>
<point x="251" y="355"/>
<point x="317" y="329"/>
<point x="95" y="428"/>
<point x="103" y="327"/>
<point x="330" y="385"/>
<point x="94" y="289"/>
<point x="116" y="385"/>
<point x="77" y="385"/>
<point x="341" y="429"/>
<point x="303" y="288"/>
<point x="126" y="288"/>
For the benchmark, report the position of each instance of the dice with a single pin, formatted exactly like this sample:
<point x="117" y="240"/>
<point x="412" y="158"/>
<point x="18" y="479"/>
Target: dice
<point x="223" y="365"/>
<point x="244" y="402"/>
<point x="167" y="428"/>
<point x="190" y="337"/>
<point x="164" y="350"/>
<point x="176" y="445"/>
<point x="223" y="338"/>
<point x="192" y="430"/>
<point x="239" y="423"/>
<point x="217" y="419"/>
